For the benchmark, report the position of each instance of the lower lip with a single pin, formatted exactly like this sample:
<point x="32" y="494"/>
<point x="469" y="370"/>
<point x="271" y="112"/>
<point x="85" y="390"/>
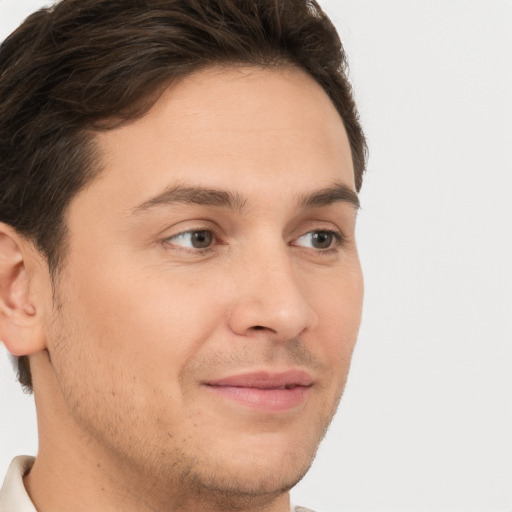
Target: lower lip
<point x="264" y="400"/>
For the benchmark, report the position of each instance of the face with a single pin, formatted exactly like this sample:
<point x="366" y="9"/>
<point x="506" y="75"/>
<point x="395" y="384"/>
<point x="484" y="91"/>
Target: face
<point x="211" y="295"/>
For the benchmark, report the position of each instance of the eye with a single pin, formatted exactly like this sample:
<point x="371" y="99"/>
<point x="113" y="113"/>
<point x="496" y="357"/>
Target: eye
<point x="319" y="240"/>
<point x="193" y="239"/>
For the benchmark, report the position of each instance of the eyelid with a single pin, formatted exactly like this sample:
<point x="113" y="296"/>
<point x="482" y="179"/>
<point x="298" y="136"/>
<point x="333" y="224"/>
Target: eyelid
<point x="217" y="239"/>
<point x="339" y="239"/>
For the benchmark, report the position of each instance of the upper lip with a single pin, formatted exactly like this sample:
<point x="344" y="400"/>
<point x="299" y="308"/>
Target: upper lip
<point x="265" y="380"/>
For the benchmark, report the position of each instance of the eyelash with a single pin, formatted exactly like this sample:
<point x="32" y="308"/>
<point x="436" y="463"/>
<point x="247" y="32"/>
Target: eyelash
<point x="339" y="241"/>
<point x="217" y="240"/>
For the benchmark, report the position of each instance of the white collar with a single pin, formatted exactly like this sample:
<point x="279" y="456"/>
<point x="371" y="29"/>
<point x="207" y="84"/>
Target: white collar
<point x="13" y="495"/>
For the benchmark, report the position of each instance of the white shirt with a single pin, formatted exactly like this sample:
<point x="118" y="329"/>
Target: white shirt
<point x="14" y="497"/>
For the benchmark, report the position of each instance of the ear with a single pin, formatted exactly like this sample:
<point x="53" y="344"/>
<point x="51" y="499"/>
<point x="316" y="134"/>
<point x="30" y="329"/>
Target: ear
<point x="21" y="326"/>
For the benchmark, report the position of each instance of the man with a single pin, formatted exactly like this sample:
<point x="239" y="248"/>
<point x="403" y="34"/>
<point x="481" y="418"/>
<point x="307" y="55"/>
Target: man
<point x="179" y="279"/>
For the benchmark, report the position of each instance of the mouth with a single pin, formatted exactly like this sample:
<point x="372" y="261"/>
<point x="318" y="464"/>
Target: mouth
<point x="264" y="391"/>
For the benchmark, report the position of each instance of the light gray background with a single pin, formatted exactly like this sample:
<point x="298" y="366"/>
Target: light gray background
<point x="426" y="421"/>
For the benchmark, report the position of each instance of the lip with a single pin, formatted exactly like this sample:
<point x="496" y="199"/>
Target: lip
<point x="268" y="392"/>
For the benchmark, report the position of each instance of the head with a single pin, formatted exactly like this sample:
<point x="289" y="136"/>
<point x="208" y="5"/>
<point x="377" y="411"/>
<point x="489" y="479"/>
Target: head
<point x="83" y="67"/>
<point x="216" y="125"/>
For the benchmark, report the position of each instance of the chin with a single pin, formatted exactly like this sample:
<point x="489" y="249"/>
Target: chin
<point x="257" y="477"/>
<point x="257" y="486"/>
<point x="263" y="464"/>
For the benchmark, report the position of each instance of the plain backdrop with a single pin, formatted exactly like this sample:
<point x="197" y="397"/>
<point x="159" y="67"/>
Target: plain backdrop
<point x="426" y="420"/>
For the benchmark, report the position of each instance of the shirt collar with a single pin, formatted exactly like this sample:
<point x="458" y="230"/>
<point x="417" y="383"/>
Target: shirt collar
<point x="13" y="496"/>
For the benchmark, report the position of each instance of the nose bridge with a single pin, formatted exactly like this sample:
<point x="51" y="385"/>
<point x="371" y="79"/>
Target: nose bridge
<point x="271" y="296"/>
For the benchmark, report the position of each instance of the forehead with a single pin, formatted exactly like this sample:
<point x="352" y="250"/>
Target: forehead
<point x="240" y="127"/>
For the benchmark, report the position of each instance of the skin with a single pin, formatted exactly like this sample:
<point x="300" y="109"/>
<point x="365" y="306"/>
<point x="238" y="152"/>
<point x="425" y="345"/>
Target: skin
<point x="140" y="320"/>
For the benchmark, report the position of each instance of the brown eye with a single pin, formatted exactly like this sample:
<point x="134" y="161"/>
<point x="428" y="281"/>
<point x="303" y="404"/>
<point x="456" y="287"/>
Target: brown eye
<point x="193" y="239"/>
<point x="201" y="239"/>
<point x="322" y="239"/>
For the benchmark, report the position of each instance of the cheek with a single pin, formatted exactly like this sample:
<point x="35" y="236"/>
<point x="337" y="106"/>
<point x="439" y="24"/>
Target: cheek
<point x="339" y="306"/>
<point x="152" y="324"/>
<point x="124" y="348"/>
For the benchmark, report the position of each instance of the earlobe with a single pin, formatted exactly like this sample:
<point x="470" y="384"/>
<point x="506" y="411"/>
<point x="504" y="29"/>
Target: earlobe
<point x="20" y="322"/>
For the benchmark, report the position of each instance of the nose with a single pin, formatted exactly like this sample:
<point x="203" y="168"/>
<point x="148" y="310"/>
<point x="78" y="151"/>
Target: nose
<point x="272" y="299"/>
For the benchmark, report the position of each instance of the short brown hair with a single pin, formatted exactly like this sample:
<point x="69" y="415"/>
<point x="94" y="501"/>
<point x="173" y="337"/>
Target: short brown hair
<point x="71" y="69"/>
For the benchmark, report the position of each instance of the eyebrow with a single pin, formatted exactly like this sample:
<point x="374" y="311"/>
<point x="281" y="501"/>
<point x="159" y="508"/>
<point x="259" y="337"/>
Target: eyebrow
<point x="194" y="195"/>
<point x="338" y="192"/>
